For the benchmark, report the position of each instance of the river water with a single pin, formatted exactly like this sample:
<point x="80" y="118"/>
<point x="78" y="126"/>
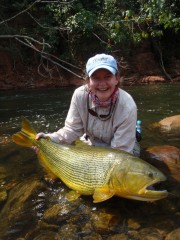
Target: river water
<point x="47" y="110"/>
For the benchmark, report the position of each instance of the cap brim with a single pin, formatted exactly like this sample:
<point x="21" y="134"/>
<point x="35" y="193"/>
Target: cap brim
<point x="111" y="69"/>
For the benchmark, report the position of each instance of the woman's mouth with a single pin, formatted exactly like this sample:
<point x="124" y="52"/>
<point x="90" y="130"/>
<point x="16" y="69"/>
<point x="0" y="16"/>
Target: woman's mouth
<point x="102" y="89"/>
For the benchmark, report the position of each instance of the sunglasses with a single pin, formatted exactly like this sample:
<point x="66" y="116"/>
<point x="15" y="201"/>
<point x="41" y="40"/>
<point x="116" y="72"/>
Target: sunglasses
<point x="102" y="117"/>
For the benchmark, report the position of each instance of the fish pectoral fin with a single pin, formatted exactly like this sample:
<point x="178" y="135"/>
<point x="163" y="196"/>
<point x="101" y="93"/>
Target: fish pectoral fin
<point x="102" y="194"/>
<point x="72" y="195"/>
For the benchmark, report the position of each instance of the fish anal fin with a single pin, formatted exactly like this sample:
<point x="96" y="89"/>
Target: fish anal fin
<point x="72" y="195"/>
<point x="102" y="194"/>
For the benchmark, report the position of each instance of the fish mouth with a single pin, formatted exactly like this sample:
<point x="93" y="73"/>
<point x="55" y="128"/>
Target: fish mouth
<point x="154" y="191"/>
<point x="150" y="192"/>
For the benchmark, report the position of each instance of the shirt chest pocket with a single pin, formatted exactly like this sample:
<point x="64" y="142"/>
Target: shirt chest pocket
<point x="101" y="130"/>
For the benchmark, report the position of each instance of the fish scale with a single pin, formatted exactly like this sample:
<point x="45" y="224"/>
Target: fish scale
<point x="88" y="171"/>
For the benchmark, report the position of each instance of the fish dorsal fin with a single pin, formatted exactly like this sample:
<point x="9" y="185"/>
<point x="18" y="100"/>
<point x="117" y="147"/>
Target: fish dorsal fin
<point x="103" y="193"/>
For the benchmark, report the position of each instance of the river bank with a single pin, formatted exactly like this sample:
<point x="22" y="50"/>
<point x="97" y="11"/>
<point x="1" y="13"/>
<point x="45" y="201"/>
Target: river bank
<point x="138" y="69"/>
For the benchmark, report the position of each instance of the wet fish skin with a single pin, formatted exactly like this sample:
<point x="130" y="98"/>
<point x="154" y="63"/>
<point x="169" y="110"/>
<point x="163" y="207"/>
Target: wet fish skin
<point x="98" y="171"/>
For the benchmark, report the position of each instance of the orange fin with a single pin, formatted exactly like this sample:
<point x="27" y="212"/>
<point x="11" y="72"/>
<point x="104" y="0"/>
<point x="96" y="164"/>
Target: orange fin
<point x="102" y="194"/>
<point x="26" y="136"/>
<point x="72" y="195"/>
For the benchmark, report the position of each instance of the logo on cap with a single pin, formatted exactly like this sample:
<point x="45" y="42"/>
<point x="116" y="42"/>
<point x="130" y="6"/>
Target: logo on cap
<point x="101" y="61"/>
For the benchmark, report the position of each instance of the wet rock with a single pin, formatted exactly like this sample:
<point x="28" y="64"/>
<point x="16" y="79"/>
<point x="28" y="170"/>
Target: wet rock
<point x="14" y="209"/>
<point x="133" y="224"/>
<point x="169" y="126"/>
<point x="171" y="205"/>
<point x="58" y="212"/>
<point x="152" y="79"/>
<point x="166" y="155"/>
<point x="17" y="162"/>
<point x="120" y="236"/>
<point x="87" y="229"/>
<point x="46" y="226"/>
<point x="3" y="194"/>
<point x="104" y="222"/>
<point x="170" y="123"/>
<point x="69" y="232"/>
<point x="149" y="234"/>
<point x="167" y="159"/>
<point x="3" y="191"/>
<point x="174" y="235"/>
<point x="164" y="226"/>
<point x="48" y="235"/>
<point x="3" y="172"/>
<point x="133" y="234"/>
<point x="93" y="236"/>
<point x="42" y="229"/>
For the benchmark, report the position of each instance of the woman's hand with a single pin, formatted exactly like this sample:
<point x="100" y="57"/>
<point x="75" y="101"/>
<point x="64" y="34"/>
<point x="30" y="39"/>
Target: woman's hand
<point x="38" y="136"/>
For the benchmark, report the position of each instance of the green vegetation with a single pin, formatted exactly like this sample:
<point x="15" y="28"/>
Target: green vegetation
<point x="78" y="28"/>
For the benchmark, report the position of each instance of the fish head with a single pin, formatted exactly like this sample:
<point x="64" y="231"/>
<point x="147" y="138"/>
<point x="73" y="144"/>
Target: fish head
<point x="137" y="180"/>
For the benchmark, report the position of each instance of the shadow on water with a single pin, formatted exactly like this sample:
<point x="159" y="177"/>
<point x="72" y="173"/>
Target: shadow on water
<point x="32" y="206"/>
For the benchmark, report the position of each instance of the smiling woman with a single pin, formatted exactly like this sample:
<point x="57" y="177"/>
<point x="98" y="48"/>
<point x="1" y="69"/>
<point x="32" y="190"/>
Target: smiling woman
<point x="100" y="112"/>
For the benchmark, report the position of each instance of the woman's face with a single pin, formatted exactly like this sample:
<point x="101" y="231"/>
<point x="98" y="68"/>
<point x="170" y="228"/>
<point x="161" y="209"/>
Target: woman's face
<point x="102" y="83"/>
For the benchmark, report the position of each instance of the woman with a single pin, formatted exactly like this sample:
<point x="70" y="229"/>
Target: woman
<point x="100" y="111"/>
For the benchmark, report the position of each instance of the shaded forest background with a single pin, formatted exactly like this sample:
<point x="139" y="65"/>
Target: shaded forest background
<point x="47" y="43"/>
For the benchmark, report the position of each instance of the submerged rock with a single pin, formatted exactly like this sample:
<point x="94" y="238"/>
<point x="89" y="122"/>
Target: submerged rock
<point x="3" y="172"/>
<point x="150" y="233"/>
<point x="3" y="194"/>
<point x="58" y="213"/>
<point x="68" y="232"/>
<point x="104" y="222"/>
<point x="48" y="235"/>
<point x="120" y="236"/>
<point x="13" y="215"/>
<point x="174" y="235"/>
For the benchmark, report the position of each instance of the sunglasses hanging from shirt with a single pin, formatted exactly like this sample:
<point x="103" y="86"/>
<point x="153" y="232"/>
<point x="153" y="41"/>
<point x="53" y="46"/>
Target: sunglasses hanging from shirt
<point x="102" y="117"/>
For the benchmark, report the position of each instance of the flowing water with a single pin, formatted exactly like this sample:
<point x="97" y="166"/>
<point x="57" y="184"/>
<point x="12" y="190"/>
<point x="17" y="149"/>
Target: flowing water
<point x="47" y="110"/>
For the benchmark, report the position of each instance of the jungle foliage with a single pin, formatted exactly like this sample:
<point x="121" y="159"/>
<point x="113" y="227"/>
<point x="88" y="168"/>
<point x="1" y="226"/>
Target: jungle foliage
<point x="77" y="27"/>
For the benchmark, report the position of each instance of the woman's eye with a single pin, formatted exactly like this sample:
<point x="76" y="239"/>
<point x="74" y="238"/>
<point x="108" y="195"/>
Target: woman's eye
<point x="108" y="77"/>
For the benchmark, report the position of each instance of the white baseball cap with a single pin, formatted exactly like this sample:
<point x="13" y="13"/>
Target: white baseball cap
<point x="101" y="61"/>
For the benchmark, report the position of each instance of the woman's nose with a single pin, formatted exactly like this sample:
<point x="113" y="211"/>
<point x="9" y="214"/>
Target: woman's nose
<point x="102" y="80"/>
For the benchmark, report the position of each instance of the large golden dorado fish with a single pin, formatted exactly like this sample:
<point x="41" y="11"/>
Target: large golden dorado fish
<point x="98" y="171"/>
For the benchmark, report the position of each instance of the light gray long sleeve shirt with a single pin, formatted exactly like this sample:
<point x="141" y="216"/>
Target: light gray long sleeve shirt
<point x="117" y="132"/>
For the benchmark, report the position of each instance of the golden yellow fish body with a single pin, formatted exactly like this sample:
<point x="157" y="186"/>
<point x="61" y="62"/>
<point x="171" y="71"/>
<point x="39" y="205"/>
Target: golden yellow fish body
<point x="101" y="172"/>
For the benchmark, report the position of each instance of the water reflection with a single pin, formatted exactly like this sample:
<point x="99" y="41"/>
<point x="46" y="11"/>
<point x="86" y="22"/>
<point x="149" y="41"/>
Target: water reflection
<point x="37" y="208"/>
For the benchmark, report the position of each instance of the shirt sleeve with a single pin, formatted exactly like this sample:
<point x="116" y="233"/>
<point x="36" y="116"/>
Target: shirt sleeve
<point x="73" y="128"/>
<point x="124" y="136"/>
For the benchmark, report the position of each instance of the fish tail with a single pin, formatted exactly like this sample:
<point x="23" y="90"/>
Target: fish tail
<point x="26" y="137"/>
